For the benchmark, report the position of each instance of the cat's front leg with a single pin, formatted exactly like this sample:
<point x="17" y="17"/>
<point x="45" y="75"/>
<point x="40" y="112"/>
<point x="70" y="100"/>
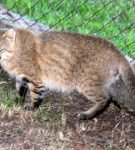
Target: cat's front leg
<point x="21" y="88"/>
<point x="37" y="95"/>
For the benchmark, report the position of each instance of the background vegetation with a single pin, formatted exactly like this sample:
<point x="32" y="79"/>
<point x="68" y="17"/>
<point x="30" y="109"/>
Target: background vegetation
<point x="114" y="20"/>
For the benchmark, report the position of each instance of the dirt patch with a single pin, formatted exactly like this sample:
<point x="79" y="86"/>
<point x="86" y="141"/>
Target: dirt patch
<point x="55" y="126"/>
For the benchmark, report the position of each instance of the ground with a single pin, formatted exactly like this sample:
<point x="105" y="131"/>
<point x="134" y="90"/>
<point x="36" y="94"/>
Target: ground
<point x="55" y="126"/>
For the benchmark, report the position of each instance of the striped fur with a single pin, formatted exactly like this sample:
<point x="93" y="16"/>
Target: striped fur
<point x="66" y="61"/>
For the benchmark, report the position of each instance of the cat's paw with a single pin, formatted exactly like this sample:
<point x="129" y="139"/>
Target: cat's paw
<point x="81" y="116"/>
<point x="28" y="107"/>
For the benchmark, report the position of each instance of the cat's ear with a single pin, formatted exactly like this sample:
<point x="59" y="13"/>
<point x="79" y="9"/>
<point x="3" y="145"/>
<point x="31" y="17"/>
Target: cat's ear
<point x="10" y="35"/>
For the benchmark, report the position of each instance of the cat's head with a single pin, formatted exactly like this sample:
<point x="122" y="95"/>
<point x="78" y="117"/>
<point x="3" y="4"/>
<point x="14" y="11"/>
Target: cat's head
<point x="6" y="48"/>
<point x="15" y="40"/>
<point x="7" y="41"/>
<point x="15" y="45"/>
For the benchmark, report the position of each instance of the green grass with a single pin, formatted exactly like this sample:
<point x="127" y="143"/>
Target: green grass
<point x="7" y="98"/>
<point x="112" y="20"/>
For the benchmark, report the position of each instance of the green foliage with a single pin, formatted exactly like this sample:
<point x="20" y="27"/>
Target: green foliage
<point x="113" y="20"/>
<point x="8" y="98"/>
<point x="43" y="115"/>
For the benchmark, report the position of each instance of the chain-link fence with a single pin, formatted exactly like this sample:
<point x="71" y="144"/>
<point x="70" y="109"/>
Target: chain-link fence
<point x="112" y="19"/>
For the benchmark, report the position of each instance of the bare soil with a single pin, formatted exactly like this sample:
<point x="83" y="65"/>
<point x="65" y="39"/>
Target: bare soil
<point x="55" y="127"/>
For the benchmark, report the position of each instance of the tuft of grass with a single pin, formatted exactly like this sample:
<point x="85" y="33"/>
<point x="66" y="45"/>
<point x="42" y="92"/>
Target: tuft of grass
<point x="9" y="98"/>
<point x="113" y="20"/>
<point x="43" y="115"/>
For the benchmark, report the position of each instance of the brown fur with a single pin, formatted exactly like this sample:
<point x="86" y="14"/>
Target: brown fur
<point x="66" y="61"/>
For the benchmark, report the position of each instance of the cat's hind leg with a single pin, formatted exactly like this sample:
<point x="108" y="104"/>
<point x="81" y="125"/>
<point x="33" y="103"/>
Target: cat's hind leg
<point x="98" y="108"/>
<point x="101" y="100"/>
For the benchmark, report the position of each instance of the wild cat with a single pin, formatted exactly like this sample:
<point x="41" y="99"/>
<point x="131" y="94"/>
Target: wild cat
<point x="65" y="61"/>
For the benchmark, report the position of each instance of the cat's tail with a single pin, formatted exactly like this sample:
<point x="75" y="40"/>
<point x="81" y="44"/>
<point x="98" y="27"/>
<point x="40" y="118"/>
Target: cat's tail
<point x="128" y="79"/>
<point x="128" y="76"/>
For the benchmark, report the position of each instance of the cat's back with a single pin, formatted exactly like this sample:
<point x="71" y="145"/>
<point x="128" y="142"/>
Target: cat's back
<point x="81" y="54"/>
<point x="89" y="44"/>
<point x="84" y="48"/>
